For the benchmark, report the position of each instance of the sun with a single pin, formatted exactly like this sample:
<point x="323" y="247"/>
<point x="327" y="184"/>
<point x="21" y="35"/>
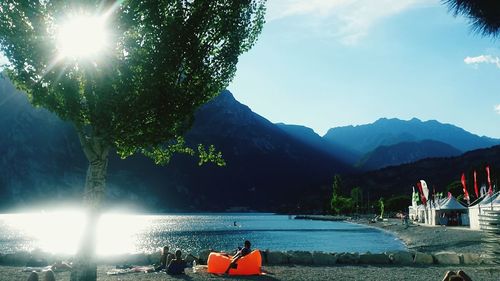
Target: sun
<point x="82" y="37"/>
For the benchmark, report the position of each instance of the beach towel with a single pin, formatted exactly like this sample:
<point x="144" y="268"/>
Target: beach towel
<point x="135" y="269"/>
<point x="36" y="268"/>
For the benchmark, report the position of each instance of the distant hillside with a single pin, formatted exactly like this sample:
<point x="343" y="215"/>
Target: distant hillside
<point x="366" y="138"/>
<point x="265" y="165"/>
<point x="308" y="136"/>
<point x="437" y="172"/>
<point x="267" y="169"/>
<point x="406" y="152"/>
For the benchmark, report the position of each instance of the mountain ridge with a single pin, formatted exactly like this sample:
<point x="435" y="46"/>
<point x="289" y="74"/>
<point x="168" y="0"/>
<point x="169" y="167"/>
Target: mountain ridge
<point x="388" y="131"/>
<point x="406" y="152"/>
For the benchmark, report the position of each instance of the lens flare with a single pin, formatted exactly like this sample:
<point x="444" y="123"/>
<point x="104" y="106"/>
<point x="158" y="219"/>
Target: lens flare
<point x="82" y="37"/>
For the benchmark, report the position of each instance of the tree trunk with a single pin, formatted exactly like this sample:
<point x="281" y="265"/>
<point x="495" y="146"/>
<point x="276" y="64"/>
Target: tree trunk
<point x="96" y="151"/>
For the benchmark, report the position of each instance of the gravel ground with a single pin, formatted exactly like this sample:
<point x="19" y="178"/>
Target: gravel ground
<point x="386" y="273"/>
<point x="432" y="239"/>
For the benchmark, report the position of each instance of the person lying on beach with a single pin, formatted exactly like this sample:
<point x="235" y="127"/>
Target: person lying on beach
<point x="459" y="276"/>
<point x="165" y="259"/>
<point x="61" y="266"/>
<point x="177" y="265"/>
<point x="239" y="254"/>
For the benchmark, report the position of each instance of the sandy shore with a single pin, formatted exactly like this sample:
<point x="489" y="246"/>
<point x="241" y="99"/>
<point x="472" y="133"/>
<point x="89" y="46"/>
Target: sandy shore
<point x="432" y="239"/>
<point x="386" y="273"/>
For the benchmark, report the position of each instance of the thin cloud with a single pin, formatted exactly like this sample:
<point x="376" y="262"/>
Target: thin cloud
<point x="483" y="59"/>
<point x="497" y="108"/>
<point x="347" y="20"/>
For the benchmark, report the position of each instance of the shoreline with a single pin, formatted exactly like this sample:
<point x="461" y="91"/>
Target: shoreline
<point x="418" y="239"/>
<point x="433" y="239"/>
<point x="423" y="238"/>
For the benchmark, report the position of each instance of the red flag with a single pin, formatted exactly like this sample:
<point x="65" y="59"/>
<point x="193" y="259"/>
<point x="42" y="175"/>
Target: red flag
<point x="466" y="194"/>
<point x="475" y="185"/>
<point x="422" y="197"/>
<point x="490" y="191"/>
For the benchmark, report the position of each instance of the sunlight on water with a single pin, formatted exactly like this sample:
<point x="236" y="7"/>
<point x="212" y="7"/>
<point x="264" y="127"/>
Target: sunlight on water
<point x="118" y="234"/>
<point x="60" y="232"/>
<point x="55" y="232"/>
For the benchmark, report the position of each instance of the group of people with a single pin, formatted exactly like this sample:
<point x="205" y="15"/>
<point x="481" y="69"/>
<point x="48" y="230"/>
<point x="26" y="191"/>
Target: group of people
<point x="172" y="264"/>
<point x="175" y="264"/>
<point x="47" y="276"/>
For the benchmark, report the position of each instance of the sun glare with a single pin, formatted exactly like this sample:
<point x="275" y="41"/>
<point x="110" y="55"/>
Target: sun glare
<point x="82" y="37"/>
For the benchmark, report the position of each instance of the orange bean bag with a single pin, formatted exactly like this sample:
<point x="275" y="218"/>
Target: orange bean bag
<point x="247" y="265"/>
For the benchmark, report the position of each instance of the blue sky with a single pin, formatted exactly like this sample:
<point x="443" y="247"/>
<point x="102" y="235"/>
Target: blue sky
<point x="329" y="63"/>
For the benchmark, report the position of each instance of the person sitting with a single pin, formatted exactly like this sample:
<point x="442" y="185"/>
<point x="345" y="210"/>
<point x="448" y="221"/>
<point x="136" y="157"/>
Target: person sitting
<point x="33" y="276"/>
<point x="165" y="259"/>
<point x="177" y="265"/>
<point x="239" y="254"/>
<point x="459" y="276"/>
<point x="49" y="276"/>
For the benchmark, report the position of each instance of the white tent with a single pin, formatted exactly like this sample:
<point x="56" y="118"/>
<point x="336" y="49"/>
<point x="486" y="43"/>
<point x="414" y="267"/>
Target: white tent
<point x="451" y="212"/>
<point x="451" y="204"/>
<point x="421" y="213"/>
<point x="488" y="202"/>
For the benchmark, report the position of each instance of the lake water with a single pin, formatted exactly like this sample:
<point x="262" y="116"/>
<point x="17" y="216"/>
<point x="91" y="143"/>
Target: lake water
<point x="117" y="234"/>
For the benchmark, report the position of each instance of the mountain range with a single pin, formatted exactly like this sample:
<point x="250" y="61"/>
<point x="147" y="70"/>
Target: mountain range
<point x="266" y="168"/>
<point x="388" y="142"/>
<point x="365" y="138"/>
<point x="270" y="167"/>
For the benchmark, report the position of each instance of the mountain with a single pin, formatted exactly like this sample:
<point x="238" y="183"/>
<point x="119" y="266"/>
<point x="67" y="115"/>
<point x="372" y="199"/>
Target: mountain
<point x="267" y="169"/>
<point x="437" y="172"/>
<point x="406" y="152"/>
<point x="366" y="138"/>
<point x="308" y="136"/>
<point x="265" y="164"/>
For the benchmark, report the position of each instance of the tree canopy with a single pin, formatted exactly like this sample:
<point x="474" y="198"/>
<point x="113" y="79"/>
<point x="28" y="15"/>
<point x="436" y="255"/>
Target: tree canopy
<point x="163" y="60"/>
<point x="484" y="15"/>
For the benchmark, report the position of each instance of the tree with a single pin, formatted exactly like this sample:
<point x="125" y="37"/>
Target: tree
<point x="163" y="59"/>
<point x="398" y="203"/>
<point x="337" y="185"/>
<point x="455" y="188"/>
<point x="483" y="14"/>
<point x="339" y="204"/>
<point x="357" y="197"/>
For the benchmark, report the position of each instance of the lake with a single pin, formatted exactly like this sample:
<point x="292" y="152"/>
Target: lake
<point x="59" y="232"/>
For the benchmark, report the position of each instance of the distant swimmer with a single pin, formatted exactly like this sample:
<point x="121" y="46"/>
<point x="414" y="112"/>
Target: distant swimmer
<point x="234" y="223"/>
